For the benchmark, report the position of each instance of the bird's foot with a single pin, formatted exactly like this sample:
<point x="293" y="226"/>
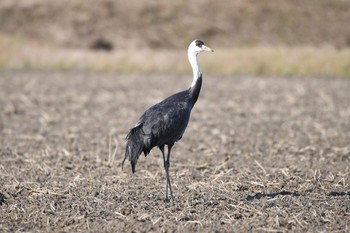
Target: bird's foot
<point x="167" y="200"/>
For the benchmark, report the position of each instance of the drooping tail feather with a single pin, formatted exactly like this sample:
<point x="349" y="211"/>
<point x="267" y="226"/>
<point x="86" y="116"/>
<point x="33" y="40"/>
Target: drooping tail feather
<point x="134" y="146"/>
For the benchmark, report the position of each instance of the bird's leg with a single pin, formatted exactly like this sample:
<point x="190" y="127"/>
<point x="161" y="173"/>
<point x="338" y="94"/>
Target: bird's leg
<point x="167" y="173"/>
<point x="166" y="167"/>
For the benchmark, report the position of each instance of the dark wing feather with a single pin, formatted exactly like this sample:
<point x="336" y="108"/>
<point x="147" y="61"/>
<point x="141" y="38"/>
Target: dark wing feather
<point x="162" y="124"/>
<point x="166" y="122"/>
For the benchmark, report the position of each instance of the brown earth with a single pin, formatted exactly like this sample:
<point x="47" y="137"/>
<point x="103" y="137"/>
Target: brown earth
<point x="162" y="24"/>
<point x="260" y="154"/>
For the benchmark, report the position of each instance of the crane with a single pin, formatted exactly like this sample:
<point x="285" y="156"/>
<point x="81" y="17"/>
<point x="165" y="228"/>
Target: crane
<point x="165" y="122"/>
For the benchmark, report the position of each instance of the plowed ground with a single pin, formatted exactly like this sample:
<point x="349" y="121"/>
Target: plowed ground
<point x="259" y="154"/>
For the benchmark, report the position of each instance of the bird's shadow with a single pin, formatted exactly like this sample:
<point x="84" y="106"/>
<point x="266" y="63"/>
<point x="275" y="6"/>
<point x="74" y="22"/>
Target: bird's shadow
<point x="339" y="194"/>
<point x="260" y="195"/>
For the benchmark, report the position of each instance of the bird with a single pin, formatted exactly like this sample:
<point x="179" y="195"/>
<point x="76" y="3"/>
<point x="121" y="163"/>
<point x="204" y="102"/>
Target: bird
<point x="164" y="123"/>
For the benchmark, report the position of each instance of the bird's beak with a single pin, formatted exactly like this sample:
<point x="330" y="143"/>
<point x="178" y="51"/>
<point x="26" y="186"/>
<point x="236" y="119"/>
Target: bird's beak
<point x="206" y="48"/>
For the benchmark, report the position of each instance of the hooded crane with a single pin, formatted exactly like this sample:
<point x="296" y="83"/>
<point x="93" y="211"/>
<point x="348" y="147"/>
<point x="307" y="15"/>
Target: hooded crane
<point x="165" y="123"/>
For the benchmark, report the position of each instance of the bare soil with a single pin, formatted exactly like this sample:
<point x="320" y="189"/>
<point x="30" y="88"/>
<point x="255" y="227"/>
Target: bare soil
<point x="118" y="24"/>
<point x="260" y="154"/>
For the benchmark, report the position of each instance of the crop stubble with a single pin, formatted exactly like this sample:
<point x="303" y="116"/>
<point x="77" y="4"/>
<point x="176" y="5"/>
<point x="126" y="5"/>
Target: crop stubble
<point x="260" y="154"/>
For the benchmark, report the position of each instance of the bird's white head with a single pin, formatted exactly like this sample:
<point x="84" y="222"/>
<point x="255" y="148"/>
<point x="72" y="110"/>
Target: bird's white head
<point x="198" y="46"/>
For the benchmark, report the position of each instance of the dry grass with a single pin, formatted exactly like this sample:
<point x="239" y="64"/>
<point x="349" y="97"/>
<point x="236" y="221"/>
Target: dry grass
<point x="17" y="54"/>
<point x="282" y="61"/>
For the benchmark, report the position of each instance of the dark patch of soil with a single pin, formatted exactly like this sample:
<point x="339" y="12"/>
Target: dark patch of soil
<point x="259" y="154"/>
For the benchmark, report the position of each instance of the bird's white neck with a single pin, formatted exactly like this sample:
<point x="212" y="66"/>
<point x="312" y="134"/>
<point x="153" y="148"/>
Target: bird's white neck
<point x="192" y="57"/>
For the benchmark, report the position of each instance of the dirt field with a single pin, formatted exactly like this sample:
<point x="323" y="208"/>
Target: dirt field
<point x="168" y="25"/>
<point x="259" y="155"/>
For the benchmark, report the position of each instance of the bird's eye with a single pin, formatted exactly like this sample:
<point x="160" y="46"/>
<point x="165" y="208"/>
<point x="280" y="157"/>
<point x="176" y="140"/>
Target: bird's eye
<point x="199" y="43"/>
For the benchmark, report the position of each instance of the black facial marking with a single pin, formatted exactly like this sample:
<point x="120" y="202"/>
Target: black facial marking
<point x="199" y="43"/>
